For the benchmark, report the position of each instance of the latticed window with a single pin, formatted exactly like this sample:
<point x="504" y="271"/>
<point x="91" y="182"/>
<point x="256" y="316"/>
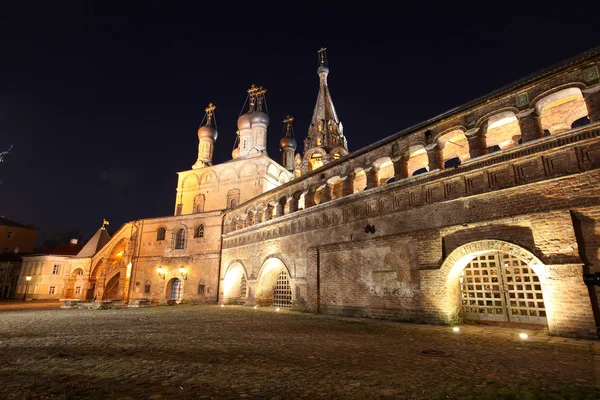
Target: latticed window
<point x="199" y="231"/>
<point x="282" y="294"/>
<point x="56" y="269"/>
<point x="180" y="239"/>
<point x="161" y="233"/>
<point x="243" y="287"/>
<point x="52" y="289"/>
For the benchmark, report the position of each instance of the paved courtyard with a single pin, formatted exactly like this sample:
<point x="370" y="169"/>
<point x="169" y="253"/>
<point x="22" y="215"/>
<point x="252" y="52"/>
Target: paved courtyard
<point x="237" y="352"/>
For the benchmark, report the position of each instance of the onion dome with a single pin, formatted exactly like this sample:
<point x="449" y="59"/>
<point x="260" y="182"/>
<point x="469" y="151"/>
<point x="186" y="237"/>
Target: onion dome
<point x="235" y="153"/>
<point x="259" y="117"/>
<point x="244" y="122"/>
<point x="288" y="142"/>
<point x="207" y="132"/>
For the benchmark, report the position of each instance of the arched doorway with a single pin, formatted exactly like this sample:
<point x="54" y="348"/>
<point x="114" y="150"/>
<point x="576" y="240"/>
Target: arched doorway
<point x="498" y="286"/>
<point x="111" y="290"/>
<point x="274" y="288"/>
<point x="235" y="285"/>
<point x="174" y="290"/>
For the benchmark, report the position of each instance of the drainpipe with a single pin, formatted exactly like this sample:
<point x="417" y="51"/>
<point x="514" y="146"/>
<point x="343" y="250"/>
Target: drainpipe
<point x="220" y="251"/>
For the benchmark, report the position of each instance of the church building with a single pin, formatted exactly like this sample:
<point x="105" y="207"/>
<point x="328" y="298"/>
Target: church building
<point x="488" y="212"/>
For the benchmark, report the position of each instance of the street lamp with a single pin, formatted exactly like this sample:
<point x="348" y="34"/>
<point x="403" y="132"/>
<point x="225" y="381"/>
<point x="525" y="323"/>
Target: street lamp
<point x="27" y="279"/>
<point x="161" y="272"/>
<point x="183" y="273"/>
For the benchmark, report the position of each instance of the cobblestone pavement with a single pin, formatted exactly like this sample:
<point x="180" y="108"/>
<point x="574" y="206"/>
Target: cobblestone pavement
<point x="237" y="352"/>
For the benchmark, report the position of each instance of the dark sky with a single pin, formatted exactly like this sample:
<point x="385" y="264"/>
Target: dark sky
<point x="102" y="100"/>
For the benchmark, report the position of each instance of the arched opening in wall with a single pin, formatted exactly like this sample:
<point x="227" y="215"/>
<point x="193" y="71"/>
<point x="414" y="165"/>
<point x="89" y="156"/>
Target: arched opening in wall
<point x="274" y="288"/>
<point x="112" y="289"/>
<point x="385" y="171"/>
<point x="315" y="161"/>
<point x="418" y="160"/>
<point x="335" y="184"/>
<point x="503" y="131"/>
<point x="301" y="201"/>
<point x="234" y="285"/>
<point x="558" y="111"/>
<point x="91" y="291"/>
<point x="318" y="195"/>
<point x="455" y="148"/>
<point x="360" y="180"/>
<point x="174" y="290"/>
<point x="583" y="121"/>
<point x="250" y="218"/>
<point x="497" y="286"/>
<point x="161" y="233"/>
<point x="502" y="283"/>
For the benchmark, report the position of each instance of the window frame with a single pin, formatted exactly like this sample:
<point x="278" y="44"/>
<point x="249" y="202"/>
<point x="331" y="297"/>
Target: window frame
<point x="199" y="232"/>
<point x="161" y="233"/>
<point x="179" y="241"/>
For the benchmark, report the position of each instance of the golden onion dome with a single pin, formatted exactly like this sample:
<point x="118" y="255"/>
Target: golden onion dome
<point x="235" y="153"/>
<point x="244" y="122"/>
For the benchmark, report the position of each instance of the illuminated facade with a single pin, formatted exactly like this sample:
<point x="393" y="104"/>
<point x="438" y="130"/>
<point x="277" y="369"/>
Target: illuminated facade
<point x="487" y="212"/>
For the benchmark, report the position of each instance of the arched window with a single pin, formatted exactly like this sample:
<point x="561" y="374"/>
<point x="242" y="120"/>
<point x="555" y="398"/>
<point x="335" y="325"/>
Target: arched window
<point x="180" y="239"/>
<point x="233" y="203"/>
<point x="160" y="234"/>
<point x="199" y="231"/>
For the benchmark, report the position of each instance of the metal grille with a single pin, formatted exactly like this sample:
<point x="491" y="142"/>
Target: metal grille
<point x="499" y="287"/>
<point x="282" y="293"/>
<point x="176" y="291"/>
<point x="242" y="299"/>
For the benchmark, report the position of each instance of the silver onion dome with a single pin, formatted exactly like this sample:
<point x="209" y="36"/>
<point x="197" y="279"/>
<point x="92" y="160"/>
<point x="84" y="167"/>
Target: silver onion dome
<point x="288" y="142"/>
<point x="259" y="117"/>
<point x="207" y="132"/>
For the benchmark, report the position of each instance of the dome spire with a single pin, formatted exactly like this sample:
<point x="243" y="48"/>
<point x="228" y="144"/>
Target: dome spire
<point x="207" y="135"/>
<point x="325" y="133"/>
<point x="288" y="145"/>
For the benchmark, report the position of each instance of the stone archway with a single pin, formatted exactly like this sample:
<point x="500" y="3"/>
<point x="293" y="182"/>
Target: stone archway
<point x="235" y="285"/>
<point x="112" y="288"/>
<point x="274" y="288"/>
<point x="470" y="294"/>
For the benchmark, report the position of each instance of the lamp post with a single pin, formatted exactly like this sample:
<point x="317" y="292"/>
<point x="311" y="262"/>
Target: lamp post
<point x="27" y="279"/>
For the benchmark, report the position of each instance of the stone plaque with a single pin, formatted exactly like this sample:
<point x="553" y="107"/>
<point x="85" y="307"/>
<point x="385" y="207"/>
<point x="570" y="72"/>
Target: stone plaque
<point x="590" y="74"/>
<point x="522" y="99"/>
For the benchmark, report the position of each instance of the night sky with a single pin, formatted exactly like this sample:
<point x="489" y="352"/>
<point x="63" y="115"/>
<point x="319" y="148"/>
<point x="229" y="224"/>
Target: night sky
<point x="102" y="100"/>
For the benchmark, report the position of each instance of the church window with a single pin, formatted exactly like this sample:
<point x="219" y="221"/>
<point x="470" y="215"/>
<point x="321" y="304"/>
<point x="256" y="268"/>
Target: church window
<point x="77" y="289"/>
<point x="199" y="208"/>
<point x="56" y="269"/>
<point x="201" y="288"/>
<point x="336" y="156"/>
<point x="52" y="290"/>
<point x="80" y="273"/>
<point x="319" y="141"/>
<point x="233" y="203"/>
<point x="160" y="234"/>
<point x="180" y="239"/>
<point x="319" y="128"/>
<point x="316" y="161"/>
<point x="199" y="231"/>
<point x="178" y="210"/>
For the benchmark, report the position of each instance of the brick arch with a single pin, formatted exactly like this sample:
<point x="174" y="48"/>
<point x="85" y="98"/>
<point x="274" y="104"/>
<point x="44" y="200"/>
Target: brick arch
<point x="453" y="128"/>
<point x="233" y="264"/>
<point x="278" y="257"/>
<point x="496" y="111"/>
<point x="462" y="255"/>
<point x="578" y="85"/>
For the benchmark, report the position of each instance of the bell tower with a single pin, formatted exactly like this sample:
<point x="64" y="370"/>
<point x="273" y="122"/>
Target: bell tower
<point x="325" y="141"/>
